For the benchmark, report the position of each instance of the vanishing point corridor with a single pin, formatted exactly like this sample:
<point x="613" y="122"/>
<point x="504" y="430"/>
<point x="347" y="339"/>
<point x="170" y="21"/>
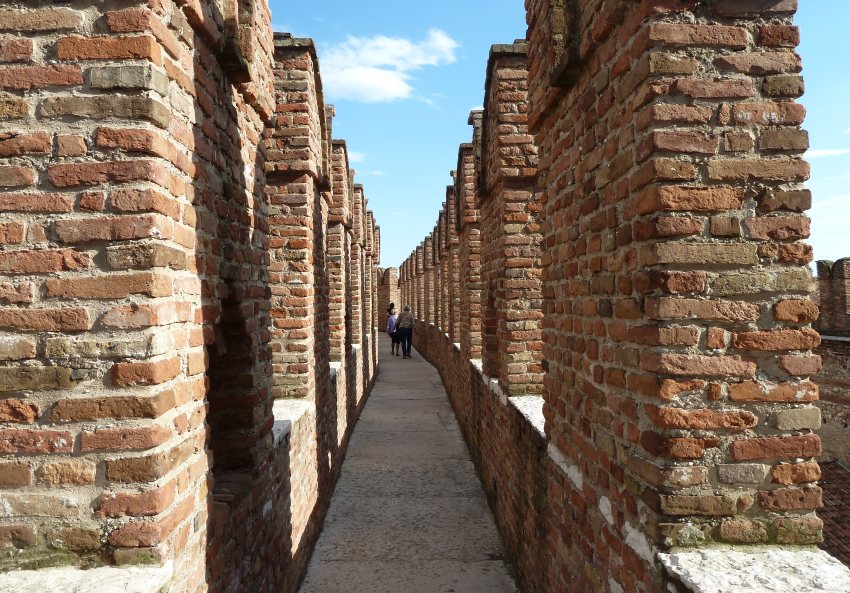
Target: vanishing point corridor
<point x="408" y="513"/>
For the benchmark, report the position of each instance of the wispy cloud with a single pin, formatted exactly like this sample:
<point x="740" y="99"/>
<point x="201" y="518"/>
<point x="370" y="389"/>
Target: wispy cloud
<point x="846" y="131"/>
<point x="356" y="157"/>
<point x="378" y="69"/>
<point x="819" y="153"/>
<point x="831" y="202"/>
<point x="377" y="173"/>
<point x="826" y="152"/>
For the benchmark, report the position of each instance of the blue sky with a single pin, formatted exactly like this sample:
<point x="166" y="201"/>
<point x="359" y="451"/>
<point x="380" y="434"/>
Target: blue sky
<point x="405" y="75"/>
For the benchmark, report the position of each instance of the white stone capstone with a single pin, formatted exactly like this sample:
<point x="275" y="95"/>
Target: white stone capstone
<point x="768" y="570"/>
<point x="108" y="579"/>
<point x="531" y="407"/>
<point x="286" y="412"/>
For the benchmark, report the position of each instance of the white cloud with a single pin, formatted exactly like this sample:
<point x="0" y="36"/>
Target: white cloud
<point x="377" y="173"/>
<point x="356" y="157"/>
<point x="846" y="131"/>
<point x="826" y="152"/>
<point x="377" y="69"/>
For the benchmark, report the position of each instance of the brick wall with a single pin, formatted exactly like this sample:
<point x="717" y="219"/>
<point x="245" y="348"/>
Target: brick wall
<point x="834" y="351"/>
<point x="658" y="245"/>
<point x="388" y="292"/>
<point x="176" y="229"/>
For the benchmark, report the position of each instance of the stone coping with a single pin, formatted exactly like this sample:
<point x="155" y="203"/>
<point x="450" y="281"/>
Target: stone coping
<point x="286" y="413"/>
<point x="757" y="570"/>
<point x="107" y="579"/>
<point x="531" y="407"/>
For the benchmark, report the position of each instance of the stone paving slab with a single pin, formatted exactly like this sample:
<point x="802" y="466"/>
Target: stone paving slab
<point x="424" y="577"/>
<point x="429" y="477"/>
<point x="408" y="514"/>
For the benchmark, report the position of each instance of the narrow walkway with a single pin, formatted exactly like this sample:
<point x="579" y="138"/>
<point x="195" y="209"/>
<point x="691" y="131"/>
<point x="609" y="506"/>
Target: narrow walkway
<point x="408" y="514"/>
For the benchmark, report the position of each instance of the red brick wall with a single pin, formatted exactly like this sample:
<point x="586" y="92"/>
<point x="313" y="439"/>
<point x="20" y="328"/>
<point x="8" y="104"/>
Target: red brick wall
<point x="388" y="292"/>
<point x="834" y="295"/>
<point x="675" y="296"/>
<point x="170" y="247"/>
<point x="834" y="351"/>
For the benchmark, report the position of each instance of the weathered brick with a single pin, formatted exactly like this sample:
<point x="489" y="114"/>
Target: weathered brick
<point x="798" y="419"/>
<point x="681" y="504"/>
<point x="109" y="286"/>
<point x="146" y="373"/>
<point x="701" y="419"/>
<point x="129" y="76"/>
<point x="799" y="530"/>
<point x="26" y="440"/>
<point x="791" y="499"/>
<point x="680" y="308"/>
<point x="796" y="473"/>
<point x="78" y="174"/>
<point x="697" y="88"/>
<point x="739" y="8"/>
<point x="800" y="365"/>
<point x="15" y="50"/>
<point x="19" y="536"/>
<point x="76" y="539"/>
<point x="25" y="78"/>
<point x="773" y="392"/>
<point x="742" y="531"/>
<point x="142" y="47"/>
<point x="69" y="319"/>
<point x="780" y="228"/>
<point x="775" y="62"/>
<point x="144" y="256"/>
<point x="118" y="407"/>
<point x="15" y="410"/>
<point x="43" y="261"/>
<point x="124" y="439"/>
<point x="133" y="504"/>
<point x="15" y="474"/>
<point x="709" y="253"/>
<point x="14" y="293"/>
<point x="71" y="472"/>
<point x="696" y="35"/>
<point x="17" y="144"/>
<point x="774" y="35"/>
<point x="776" y="448"/>
<point x="795" y="311"/>
<point x="71" y="146"/>
<point x="41" y="19"/>
<point x="775" y="169"/>
<point x="777" y="340"/>
<point x="742" y="473"/>
<point x="150" y="226"/>
<point x="103" y="106"/>
<point x="16" y="176"/>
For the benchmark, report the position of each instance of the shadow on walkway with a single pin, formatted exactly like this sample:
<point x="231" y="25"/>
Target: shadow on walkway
<point x="408" y="514"/>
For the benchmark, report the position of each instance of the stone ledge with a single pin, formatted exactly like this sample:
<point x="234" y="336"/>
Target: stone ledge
<point x="109" y="579"/>
<point x="762" y="570"/>
<point x="531" y="407"/>
<point x="286" y="413"/>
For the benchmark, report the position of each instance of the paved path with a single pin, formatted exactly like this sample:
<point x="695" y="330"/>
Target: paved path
<point x="408" y="514"/>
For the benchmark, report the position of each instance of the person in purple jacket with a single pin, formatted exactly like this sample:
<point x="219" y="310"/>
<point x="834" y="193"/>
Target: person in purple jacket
<point x="392" y="322"/>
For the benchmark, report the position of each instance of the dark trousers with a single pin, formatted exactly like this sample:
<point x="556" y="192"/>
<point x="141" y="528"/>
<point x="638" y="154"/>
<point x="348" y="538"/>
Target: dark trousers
<point x="406" y="335"/>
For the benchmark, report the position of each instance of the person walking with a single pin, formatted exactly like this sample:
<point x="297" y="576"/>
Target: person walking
<point x="405" y="324"/>
<point x="392" y="330"/>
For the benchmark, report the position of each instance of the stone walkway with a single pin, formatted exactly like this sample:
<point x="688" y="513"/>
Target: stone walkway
<point x="408" y="514"/>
